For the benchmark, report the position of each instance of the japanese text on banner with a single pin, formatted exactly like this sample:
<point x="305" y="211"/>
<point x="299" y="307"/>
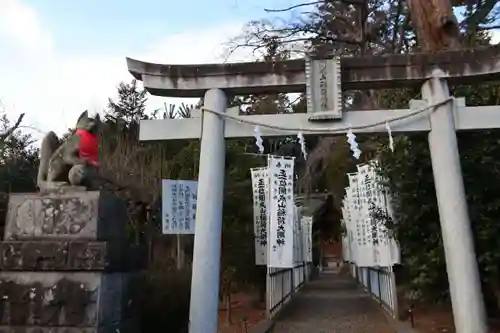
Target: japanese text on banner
<point x="179" y="206"/>
<point x="306" y="222"/>
<point x="260" y="186"/>
<point x="373" y="199"/>
<point x="367" y="241"/>
<point x="297" y="241"/>
<point x="281" y="206"/>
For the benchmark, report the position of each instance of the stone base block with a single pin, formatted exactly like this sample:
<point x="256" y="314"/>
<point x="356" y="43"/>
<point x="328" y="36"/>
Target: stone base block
<point x="63" y="302"/>
<point x="41" y="329"/>
<point x="77" y="214"/>
<point x="55" y="256"/>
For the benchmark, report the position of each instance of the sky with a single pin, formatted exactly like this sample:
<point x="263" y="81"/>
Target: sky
<point x="59" y="57"/>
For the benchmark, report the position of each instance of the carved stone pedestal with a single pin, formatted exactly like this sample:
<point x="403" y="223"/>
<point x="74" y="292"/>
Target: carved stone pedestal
<point x="65" y="264"/>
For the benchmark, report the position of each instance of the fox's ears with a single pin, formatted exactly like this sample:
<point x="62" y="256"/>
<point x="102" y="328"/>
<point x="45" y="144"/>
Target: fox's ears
<point x="85" y="114"/>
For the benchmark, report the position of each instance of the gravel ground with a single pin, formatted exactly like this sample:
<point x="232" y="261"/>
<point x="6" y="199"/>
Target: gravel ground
<point x="332" y="303"/>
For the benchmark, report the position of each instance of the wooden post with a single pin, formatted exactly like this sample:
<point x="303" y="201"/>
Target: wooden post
<point x="180" y="253"/>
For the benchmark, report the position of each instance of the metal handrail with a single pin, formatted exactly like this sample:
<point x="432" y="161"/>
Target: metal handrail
<point x="380" y="282"/>
<point x="282" y="283"/>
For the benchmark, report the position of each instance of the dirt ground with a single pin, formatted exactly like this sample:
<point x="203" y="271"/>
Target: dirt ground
<point x="246" y="312"/>
<point x="439" y="318"/>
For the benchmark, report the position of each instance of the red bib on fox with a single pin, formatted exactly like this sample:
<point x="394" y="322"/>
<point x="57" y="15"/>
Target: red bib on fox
<point x="89" y="147"/>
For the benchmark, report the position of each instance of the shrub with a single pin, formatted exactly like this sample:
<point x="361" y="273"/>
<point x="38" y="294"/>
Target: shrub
<point x="160" y="300"/>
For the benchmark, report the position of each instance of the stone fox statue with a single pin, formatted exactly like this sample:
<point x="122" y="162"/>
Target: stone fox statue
<point x="74" y="161"/>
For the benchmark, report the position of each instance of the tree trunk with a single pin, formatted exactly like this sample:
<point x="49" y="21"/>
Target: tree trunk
<point x="435" y="24"/>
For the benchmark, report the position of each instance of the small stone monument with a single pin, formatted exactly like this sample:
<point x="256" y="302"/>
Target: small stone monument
<point x="65" y="261"/>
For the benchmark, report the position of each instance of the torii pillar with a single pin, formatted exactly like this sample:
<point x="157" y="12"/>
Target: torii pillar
<point x="295" y="76"/>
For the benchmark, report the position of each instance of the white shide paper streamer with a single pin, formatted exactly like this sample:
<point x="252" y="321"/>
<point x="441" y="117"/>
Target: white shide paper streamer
<point x="351" y="139"/>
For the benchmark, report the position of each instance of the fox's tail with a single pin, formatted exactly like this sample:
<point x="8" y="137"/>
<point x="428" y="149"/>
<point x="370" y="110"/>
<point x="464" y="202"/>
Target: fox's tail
<point x="49" y="145"/>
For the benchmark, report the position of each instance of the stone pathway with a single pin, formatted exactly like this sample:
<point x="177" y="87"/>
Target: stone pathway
<point x="332" y="303"/>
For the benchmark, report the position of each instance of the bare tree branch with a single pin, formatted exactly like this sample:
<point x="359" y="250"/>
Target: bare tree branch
<point x="11" y="130"/>
<point x="491" y="27"/>
<point x="294" y="6"/>
<point x="482" y="11"/>
<point x="396" y="25"/>
<point x="402" y="39"/>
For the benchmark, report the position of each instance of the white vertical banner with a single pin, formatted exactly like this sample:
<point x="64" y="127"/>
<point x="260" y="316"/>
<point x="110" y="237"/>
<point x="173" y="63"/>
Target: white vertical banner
<point x="179" y="198"/>
<point x="385" y="247"/>
<point x="298" y="239"/>
<point x="381" y="235"/>
<point x="306" y="222"/>
<point x="309" y="239"/>
<point x="281" y="210"/>
<point x="295" y="231"/>
<point x="395" y="252"/>
<point x="260" y="188"/>
<point x="370" y="247"/>
<point x="346" y="251"/>
<point x="369" y="241"/>
<point x="304" y="237"/>
<point x="350" y="225"/>
<point x="393" y="243"/>
<point x="357" y="219"/>
<point x="300" y="236"/>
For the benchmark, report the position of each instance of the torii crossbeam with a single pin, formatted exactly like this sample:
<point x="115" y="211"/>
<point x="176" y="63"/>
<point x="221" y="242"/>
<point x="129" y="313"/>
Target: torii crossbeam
<point x="323" y="81"/>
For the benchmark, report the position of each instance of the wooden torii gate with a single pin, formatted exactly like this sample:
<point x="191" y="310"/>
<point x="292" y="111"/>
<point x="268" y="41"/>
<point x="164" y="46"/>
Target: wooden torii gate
<point x="323" y="80"/>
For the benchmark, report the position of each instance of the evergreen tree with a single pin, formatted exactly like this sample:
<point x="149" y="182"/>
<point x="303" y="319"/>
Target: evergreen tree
<point x="18" y="163"/>
<point x="130" y="105"/>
